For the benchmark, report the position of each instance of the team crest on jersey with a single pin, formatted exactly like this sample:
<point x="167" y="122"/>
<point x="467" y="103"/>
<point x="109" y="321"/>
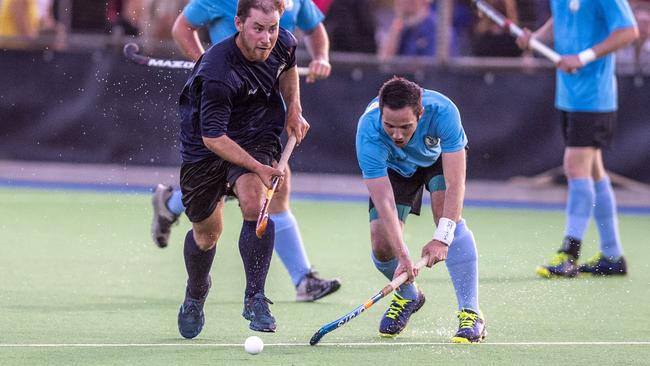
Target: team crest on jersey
<point x="288" y="4"/>
<point x="574" y="5"/>
<point x="431" y="141"/>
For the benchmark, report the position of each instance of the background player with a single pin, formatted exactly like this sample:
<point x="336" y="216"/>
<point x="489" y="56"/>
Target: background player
<point x="586" y="33"/>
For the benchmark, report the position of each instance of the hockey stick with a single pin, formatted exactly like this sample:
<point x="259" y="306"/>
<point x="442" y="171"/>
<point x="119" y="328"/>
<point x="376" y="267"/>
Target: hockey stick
<point x="515" y="30"/>
<point x="395" y="283"/>
<point x="263" y="218"/>
<point x="131" y="53"/>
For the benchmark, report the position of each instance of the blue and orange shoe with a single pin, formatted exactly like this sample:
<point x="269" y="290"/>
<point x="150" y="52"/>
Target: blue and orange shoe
<point x="561" y="265"/>
<point x="599" y="265"/>
<point x="471" y="328"/>
<point x="398" y="314"/>
<point x="256" y="309"/>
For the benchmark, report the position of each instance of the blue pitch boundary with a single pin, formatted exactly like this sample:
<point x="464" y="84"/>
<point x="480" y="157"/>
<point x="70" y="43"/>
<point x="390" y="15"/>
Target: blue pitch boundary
<point x="137" y="189"/>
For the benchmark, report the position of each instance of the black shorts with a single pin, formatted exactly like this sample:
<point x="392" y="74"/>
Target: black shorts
<point x="408" y="190"/>
<point x="205" y="182"/>
<point x="584" y="129"/>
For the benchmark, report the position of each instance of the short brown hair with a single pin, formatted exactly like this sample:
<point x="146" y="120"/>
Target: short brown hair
<point x="398" y="93"/>
<point x="267" y="6"/>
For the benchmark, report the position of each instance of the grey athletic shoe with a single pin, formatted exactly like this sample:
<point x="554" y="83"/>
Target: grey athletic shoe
<point x="312" y="287"/>
<point x="162" y="217"/>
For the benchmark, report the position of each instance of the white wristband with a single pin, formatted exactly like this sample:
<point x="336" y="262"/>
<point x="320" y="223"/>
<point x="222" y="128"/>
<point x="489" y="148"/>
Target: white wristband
<point x="587" y="56"/>
<point x="445" y="231"/>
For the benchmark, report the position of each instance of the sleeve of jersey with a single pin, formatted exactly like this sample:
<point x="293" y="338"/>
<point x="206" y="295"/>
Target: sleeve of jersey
<point x="309" y="16"/>
<point x="450" y="130"/>
<point x="618" y="14"/>
<point x="199" y="13"/>
<point x="216" y="106"/>
<point x="291" y="43"/>
<point x="372" y="157"/>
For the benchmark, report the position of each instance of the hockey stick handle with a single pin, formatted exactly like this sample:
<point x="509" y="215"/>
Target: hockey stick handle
<point x="131" y="53"/>
<point x="263" y="218"/>
<point x="395" y="283"/>
<point x="516" y="31"/>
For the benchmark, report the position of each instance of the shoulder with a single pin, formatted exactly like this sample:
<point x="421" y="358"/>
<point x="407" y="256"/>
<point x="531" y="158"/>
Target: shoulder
<point x="287" y="39"/>
<point x="369" y="120"/>
<point x="217" y="64"/>
<point x="437" y="101"/>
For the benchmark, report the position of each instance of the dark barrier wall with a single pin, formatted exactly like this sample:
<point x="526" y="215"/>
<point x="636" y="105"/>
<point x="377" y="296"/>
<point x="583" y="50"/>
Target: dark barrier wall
<point x="98" y="108"/>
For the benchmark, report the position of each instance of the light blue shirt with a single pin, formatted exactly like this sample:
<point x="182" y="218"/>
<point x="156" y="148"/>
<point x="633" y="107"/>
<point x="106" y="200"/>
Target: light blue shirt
<point x="577" y="26"/>
<point x="219" y="16"/>
<point x="439" y="130"/>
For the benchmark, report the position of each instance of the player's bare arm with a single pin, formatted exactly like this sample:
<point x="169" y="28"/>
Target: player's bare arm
<point x="187" y="38"/>
<point x="318" y="45"/>
<point x="544" y="34"/>
<point x="290" y="89"/>
<point x="454" y="168"/>
<point x="230" y="151"/>
<point x="381" y="193"/>
<point x="616" y="40"/>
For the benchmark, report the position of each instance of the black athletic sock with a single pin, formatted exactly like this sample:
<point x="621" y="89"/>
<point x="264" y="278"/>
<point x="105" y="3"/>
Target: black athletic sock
<point x="197" y="264"/>
<point x="256" y="255"/>
<point x="571" y="246"/>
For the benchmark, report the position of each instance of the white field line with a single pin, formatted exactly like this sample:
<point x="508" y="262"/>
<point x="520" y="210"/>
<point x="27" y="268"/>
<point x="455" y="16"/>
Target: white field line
<point x="351" y="344"/>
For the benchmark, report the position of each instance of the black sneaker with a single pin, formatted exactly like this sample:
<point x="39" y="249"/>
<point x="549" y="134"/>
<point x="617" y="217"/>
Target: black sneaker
<point x="312" y="287"/>
<point x="599" y="265"/>
<point x="398" y="314"/>
<point x="256" y="309"/>
<point x="191" y="317"/>
<point x="162" y="217"/>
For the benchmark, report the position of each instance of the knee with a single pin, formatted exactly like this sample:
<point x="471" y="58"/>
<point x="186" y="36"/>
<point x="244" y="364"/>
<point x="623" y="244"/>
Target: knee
<point x="207" y="240"/>
<point x="381" y="248"/>
<point x="575" y="169"/>
<point x="250" y="209"/>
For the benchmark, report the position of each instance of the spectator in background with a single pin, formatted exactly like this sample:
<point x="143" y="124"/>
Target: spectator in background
<point x="642" y="14"/>
<point x="126" y="15"/>
<point x="49" y="26"/>
<point x="491" y="40"/>
<point x="18" y="23"/>
<point x="351" y="26"/>
<point x="412" y="31"/>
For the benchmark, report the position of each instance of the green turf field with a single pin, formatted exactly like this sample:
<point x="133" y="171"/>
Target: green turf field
<point x="81" y="283"/>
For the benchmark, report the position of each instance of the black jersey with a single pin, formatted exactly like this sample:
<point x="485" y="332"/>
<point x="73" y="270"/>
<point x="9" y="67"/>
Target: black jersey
<point x="228" y="95"/>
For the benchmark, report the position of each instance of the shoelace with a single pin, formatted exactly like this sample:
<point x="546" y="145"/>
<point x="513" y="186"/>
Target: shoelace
<point x="260" y="304"/>
<point x="396" y="307"/>
<point x="467" y="320"/>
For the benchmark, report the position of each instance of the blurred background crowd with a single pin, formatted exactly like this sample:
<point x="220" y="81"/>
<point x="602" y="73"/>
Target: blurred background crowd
<point x="386" y="28"/>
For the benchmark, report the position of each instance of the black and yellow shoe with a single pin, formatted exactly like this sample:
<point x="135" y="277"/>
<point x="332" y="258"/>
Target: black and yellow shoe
<point x="599" y="265"/>
<point x="561" y="265"/>
<point x="398" y="314"/>
<point x="471" y="328"/>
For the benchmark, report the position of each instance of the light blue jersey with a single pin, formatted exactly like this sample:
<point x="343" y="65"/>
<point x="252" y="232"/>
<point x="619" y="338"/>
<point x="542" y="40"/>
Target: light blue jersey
<point x="438" y="131"/>
<point x="577" y="26"/>
<point x="219" y="16"/>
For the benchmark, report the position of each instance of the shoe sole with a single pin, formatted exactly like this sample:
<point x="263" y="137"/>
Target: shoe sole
<point x="335" y="287"/>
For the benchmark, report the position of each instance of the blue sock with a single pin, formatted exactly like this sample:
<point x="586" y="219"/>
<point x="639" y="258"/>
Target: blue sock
<point x="288" y="245"/>
<point x="578" y="207"/>
<point x="607" y="220"/>
<point x="175" y="203"/>
<point x="462" y="265"/>
<point x="409" y="291"/>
